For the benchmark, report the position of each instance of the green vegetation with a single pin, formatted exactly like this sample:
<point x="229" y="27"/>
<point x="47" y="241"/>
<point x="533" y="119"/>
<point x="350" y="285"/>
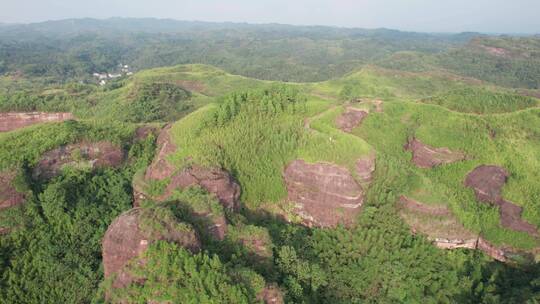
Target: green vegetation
<point x="174" y="275"/>
<point x="52" y="253"/>
<point x="485" y="140"/>
<point x="255" y="134"/>
<point x="478" y="100"/>
<point x="28" y="144"/>
<point x="412" y="85"/>
<point x="506" y="61"/>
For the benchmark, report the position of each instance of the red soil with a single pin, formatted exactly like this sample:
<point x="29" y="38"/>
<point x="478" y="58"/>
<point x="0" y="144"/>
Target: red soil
<point x="425" y="156"/>
<point x="325" y="194"/>
<point x="487" y="182"/>
<point x="350" y="119"/>
<point x="16" y="120"/>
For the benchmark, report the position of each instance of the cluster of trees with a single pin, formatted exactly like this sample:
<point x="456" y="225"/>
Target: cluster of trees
<point x="51" y="251"/>
<point x="157" y="101"/>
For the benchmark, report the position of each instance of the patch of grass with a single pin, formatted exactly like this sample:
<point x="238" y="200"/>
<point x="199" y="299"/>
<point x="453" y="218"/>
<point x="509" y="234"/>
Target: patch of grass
<point x="482" y="101"/>
<point x="509" y="140"/>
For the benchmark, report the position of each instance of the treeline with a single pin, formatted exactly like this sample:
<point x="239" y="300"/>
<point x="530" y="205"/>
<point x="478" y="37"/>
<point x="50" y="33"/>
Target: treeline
<point x="78" y="48"/>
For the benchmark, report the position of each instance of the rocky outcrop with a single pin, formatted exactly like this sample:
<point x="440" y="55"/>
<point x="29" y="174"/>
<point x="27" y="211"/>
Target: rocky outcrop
<point x="494" y="252"/>
<point x="413" y="205"/>
<point x="487" y="183"/>
<point x="425" y="156"/>
<point x="443" y="243"/>
<point x="325" y="194"/>
<point x="160" y="167"/>
<point x="365" y="167"/>
<point x="130" y="235"/>
<point x="16" y="120"/>
<point x="9" y="196"/>
<point x="94" y="155"/>
<point x="441" y="227"/>
<point x="350" y="119"/>
<point x="214" y="180"/>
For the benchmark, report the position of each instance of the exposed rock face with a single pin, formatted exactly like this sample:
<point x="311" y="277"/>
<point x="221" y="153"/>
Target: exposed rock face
<point x="160" y="167"/>
<point x="443" y="229"/>
<point x="487" y="182"/>
<point x="456" y="243"/>
<point x="95" y="155"/>
<point x="16" y="120"/>
<point x="350" y="119"/>
<point x="423" y="208"/>
<point x="325" y="194"/>
<point x="425" y="156"/>
<point x="214" y="180"/>
<point x="494" y="252"/>
<point x="9" y="197"/>
<point x="365" y="167"/>
<point x="126" y="239"/>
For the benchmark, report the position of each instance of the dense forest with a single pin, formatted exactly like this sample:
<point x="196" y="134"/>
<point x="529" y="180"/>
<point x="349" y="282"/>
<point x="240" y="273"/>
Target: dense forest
<point x="240" y="163"/>
<point x="77" y="48"/>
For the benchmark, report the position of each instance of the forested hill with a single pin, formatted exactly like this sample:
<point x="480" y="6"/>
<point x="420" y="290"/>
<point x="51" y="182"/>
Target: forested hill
<point x="76" y="48"/>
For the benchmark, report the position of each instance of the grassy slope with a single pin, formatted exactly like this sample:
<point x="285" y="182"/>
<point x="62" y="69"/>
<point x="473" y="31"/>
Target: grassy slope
<point x="514" y="147"/>
<point x="255" y="151"/>
<point x="258" y="163"/>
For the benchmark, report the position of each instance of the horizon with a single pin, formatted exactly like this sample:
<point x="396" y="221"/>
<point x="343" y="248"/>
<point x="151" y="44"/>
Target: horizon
<point x="483" y="16"/>
<point x="268" y="23"/>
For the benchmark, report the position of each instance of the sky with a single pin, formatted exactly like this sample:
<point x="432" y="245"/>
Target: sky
<point x="489" y="16"/>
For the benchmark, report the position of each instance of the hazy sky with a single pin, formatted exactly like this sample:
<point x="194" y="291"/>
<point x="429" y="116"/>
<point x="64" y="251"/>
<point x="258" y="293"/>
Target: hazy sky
<point x="416" y="15"/>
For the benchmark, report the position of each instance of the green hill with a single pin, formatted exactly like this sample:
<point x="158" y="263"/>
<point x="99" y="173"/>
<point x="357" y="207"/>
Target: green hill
<point x="253" y="130"/>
